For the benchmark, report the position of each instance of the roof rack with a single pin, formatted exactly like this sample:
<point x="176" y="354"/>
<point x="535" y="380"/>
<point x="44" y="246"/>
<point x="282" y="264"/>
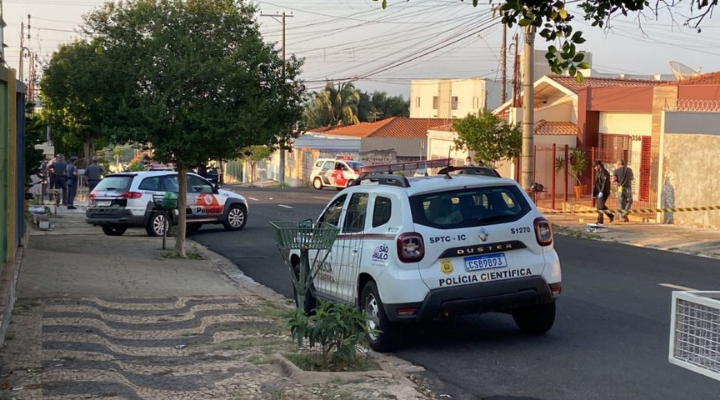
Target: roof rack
<point x="383" y="174"/>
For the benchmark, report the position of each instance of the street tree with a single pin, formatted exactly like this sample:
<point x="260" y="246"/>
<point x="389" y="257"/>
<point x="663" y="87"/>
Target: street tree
<point x="488" y="136"/>
<point x="333" y="106"/>
<point x="254" y="154"/>
<point x="75" y="88"/>
<point x="555" y="22"/>
<point x="197" y="81"/>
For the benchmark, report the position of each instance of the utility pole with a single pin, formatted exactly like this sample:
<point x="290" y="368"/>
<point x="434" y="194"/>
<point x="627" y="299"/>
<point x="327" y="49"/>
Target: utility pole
<point x="527" y="157"/>
<point x="282" y="141"/>
<point x="503" y="65"/>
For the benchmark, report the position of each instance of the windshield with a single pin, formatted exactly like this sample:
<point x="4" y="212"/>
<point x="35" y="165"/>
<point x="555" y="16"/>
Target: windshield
<point x="116" y="183"/>
<point x="355" y="165"/>
<point x="469" y="207"/>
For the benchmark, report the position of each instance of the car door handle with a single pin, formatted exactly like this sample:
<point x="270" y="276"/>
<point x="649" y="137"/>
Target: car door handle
<point x="355" y="251"/>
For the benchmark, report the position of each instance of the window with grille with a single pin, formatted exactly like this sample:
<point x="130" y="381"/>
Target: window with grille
<point x="435" y="102"/>
<point x="614" y="147"/>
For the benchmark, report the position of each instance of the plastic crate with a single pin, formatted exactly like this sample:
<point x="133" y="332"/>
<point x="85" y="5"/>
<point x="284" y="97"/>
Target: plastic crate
<point x="304" y="235"/>
<point x="695" y="332"/>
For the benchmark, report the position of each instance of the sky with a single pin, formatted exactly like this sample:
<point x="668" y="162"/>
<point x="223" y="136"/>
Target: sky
<point x="356" y="40"/>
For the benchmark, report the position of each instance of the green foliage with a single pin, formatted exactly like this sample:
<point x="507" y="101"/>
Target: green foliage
<point x="337" y="327"/>
<point x="577" y="167"/>
<point x="489" y="137"/>
<point x="34" y="135"/>
<point x="137" y="166"/>
<point x="346" y="105"/>
<point x="554" y="22"/>
<point x="254" y="154"/>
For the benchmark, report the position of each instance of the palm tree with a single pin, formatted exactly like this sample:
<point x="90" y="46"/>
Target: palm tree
<point x="332" y="106"/>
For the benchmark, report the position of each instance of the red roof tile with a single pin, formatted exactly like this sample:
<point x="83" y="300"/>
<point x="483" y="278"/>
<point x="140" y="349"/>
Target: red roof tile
<point x="555" y="128"/>
<point x="572" y="84"/>
<point x="711" y="78"/>
<point x="394" y="127"/>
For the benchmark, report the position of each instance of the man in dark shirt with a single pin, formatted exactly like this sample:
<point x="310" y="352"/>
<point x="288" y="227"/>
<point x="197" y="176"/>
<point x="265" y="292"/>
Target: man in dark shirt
<point x="94" y="173"/>
<point x="59" y="168"/>
<point x="623" y="176"/>
<point x="72" y="177"/>
<point x="601" y="191"/>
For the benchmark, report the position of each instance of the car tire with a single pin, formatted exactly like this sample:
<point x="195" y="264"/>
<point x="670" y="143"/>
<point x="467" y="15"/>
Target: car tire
<point x="112" y="230"/>
<point x="308" y="303"/>
<point x="317" y="184"/>
<point x="236" y="218"/>
<point x="390" y="333"/>
<point x="535" y="320"/>
<point x="192" y="227"/>
<point x="156" y="224"/>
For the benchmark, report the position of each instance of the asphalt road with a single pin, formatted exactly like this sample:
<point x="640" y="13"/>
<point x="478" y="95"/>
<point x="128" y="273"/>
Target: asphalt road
<point x="610" y="339"/>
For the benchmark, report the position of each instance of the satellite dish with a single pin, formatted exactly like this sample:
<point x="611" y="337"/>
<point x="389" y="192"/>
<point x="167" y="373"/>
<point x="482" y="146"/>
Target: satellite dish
<point x="682" y="71"/>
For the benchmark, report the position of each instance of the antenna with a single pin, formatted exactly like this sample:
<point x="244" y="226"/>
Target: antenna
<point x="682" y="71"/>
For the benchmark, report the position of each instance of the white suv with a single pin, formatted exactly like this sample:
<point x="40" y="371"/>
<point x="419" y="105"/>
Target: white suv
<point x="125" y="200"/>
<point x="423" y="248"/>
<point x="337" y="173"/>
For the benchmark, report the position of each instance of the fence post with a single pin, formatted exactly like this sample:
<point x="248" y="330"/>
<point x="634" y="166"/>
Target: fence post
<point x="552" y="205"/>
<point x="567" y="161"/>
<point x="592" y="173"/>
<point x="534" y="179"/>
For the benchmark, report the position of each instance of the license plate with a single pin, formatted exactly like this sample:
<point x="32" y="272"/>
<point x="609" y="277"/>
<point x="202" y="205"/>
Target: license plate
<point x="103" y="203"/>
<point x="486" y="261"/>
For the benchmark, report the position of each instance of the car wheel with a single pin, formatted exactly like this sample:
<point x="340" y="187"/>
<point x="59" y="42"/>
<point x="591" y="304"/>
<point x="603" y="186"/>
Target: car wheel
<point x="156" y="225"/>
<point x="317" y="183"/>
<point x="111" y="230"/>
<point x="236" y="218"/>
<point x="192" y="227"/>
<point x="388" y="334"/>
<point x="535" y="320"/>
<point x="308" y="302"/>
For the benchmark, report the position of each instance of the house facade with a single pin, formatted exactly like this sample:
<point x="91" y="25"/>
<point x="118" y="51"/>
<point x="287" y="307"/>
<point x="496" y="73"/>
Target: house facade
<point x="452" y="98"/>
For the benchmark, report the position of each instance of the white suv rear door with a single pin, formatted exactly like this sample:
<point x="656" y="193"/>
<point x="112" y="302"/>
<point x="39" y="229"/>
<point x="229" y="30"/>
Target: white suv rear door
<point x="474" y="235"/>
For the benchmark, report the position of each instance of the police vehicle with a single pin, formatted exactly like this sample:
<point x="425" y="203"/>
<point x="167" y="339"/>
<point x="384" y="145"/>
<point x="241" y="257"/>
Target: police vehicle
<point x="339" y="172"/>
<point x="415" y="249"/>
<point x="125" y="200"/>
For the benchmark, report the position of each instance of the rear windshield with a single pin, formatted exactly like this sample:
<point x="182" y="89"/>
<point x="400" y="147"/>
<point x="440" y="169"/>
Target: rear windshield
<point x="469" y="207"/>
<point x="115" y="183"/>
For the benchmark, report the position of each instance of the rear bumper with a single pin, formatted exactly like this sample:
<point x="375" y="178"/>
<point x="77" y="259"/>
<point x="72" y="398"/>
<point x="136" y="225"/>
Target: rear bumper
<point x="113" y="216"/>
<point x="498" y="296"/>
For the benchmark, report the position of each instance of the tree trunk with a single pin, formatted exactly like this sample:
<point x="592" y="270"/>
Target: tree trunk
<point x="182" y="208"/>
<point x="89" y="151"/>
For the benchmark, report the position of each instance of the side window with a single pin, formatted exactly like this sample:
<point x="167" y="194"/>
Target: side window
<point x="332" y="213"/>
<point x="381" y="211"/>
<point x="356" y="212"/>
<point x="152" y="183"/>
<point x="170" y="184"/>
<point x="318" y="164"/>
<point x="328" y="165"/>
<point x="197" y="185"/>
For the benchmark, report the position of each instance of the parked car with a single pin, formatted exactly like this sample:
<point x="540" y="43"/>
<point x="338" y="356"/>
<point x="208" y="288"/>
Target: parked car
<point x="125" y="200"/>
<point x="337" y="173"/>
<point x="424" y="248"/>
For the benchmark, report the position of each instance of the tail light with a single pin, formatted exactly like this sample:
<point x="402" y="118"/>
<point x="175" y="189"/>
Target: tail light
<point x="131" y="195"/>
<point x="543" y="232"/>
<point x="410" y="247"/>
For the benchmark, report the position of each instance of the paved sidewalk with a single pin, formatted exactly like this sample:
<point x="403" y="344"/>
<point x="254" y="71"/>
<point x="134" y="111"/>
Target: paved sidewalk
<point x="679" y="239"/>
<point x="117" y="318"/>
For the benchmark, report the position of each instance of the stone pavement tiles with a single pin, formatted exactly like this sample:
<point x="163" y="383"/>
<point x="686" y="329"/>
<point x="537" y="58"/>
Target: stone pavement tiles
<point x="158" y="348"/>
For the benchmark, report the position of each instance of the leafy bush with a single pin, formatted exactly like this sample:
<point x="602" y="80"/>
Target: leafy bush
<point x="337" y="327"/>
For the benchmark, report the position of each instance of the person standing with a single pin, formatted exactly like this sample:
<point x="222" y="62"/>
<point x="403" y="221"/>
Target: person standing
<point x="623" y="176"/>
<point x="59" y="168"/>
<point x="51" y="173"/>
<point x="601" y="191"/>
<point x="72" y="177"/>
<point x="468" y="162"/>
<point x="94" y="174"/>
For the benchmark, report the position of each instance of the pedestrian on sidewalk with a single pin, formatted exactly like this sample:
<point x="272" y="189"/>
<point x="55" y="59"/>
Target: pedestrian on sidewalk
<point x="94" y="174"/>
<point x="601" y="191"/>
<point x="468" y="162"/>
<point x="59" y="168"/>
<point x="623" y="176"/>
<point x="71" y="182"/>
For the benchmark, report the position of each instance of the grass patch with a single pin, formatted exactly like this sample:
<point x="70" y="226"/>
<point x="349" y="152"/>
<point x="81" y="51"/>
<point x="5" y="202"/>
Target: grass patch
<point x="190" y="256"/>
<point x="314" y="362"/>
<point x="256" y="359"/>
<point x="9" y="336"/>
<point x="261" y="327"/>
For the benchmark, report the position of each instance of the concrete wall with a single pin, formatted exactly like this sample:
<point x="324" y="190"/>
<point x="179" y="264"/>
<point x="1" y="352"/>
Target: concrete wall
<point x="472" y="94"/>
<point x="622" y="123"/>
<point x="556" y="112"/>
<point x="403" y="148"/>
<point x="689" y="165"/>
